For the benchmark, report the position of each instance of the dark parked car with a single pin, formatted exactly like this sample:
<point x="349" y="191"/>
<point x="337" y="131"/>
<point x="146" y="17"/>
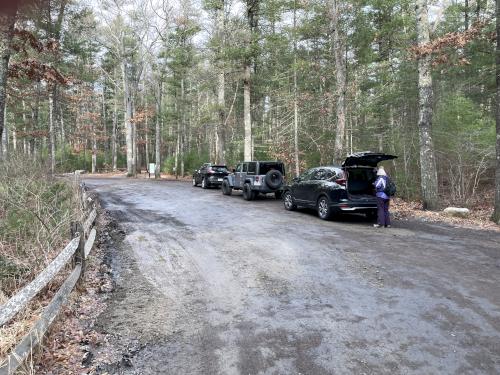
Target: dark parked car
<point x="330" y="189"/>
<point x="209" y="175"/>
<point x="254" y="177"/>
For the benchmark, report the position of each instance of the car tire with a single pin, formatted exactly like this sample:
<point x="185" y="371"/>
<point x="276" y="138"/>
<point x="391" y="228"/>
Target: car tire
<point x="278" y="194"/>
<point x="274" y="179"/>
<point x="226" y="189"/>
<point x="204" y="183"/>
<point x="323" y="208"/>
<point x="248" y="194"/>
<point x="194" y="182"/>
<point x="288" y="201"/>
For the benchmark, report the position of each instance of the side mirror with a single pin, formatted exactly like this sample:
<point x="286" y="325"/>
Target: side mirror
<point x="296" y="179"/>
<point x="234" y="170"/>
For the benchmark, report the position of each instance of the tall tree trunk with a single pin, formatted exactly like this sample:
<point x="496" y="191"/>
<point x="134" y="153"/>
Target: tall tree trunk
<point x="63" y="132"/>
<point x="146" y="131"/>
<point x="247" y="116"/>
<point x="113" y="135"/>
<point x="7" y="21"/>
<point x="14" y="134"/>
<point x="5" y="136"/>
<point x="295" y="104"/>
<point x="220" y="131"/>
<point x="25" y="144"/>
<point x="466" y="14"/>
<point x="340" y="80"/>
<point x="496" y="212"/>
<point x="34" y="122"/>
<point x="158" y="132"/>
<point x="252" y="7"/>
<point x="129" y="130"/>
<point x="52" y="138"/>
<point x="94" y="149"/>
<point x="134" y="139"/>
<point x="183" y="129"/>
<point x="104" y="117"/>
<point x="177" y="148"/>
<point x="428" y="173"/>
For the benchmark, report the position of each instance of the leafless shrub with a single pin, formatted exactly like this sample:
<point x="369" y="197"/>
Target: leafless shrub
<point x="35" y="212"/>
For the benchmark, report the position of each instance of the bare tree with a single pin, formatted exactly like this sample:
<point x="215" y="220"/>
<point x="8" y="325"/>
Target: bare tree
<point x="123" y="36"/>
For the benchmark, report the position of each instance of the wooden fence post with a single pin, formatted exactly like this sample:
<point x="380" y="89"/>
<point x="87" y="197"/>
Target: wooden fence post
<point x="79" y="258"/>
<point x="73" y="232"/>
<point x="80" y="252"/>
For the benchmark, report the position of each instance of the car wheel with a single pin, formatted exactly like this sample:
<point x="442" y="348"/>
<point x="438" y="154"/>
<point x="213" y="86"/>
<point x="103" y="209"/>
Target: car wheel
<point x="194" y="182"/>
<point x="247" y="192"/>
<point x="288" y="201"/>
<point x="204" y="184"/>
<point x="278" y="194"/>
<point x="226" y="189"/>
<point x="324" y="210"/>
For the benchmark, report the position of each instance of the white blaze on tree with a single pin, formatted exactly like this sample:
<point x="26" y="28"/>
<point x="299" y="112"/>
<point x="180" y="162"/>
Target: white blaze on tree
<point x="428" y="173"/>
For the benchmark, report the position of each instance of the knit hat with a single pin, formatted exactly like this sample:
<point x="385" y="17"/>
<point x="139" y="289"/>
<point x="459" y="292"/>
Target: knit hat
<point x="381" y="171"/>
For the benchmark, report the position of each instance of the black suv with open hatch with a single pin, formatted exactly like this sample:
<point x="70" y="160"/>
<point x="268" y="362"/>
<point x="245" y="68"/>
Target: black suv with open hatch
<point x="330" y="189"/>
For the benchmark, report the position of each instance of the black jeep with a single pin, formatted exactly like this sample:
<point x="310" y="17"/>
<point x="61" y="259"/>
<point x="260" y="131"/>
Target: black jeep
<point x="254" y="177"/>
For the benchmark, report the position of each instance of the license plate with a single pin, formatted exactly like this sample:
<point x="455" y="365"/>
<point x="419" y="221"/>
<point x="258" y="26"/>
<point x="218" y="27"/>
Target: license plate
<point x="220" y="179"/>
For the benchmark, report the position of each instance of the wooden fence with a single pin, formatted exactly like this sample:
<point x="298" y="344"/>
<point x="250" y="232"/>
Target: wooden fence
<point x="83" y="235"/>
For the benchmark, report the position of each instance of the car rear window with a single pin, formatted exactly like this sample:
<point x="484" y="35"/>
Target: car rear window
<point x="266" y="167"/>
<point x="219" y="168"/>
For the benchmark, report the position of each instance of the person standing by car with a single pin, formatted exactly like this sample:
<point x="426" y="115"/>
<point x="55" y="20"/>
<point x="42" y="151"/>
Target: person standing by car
<point x="383" y="200"/>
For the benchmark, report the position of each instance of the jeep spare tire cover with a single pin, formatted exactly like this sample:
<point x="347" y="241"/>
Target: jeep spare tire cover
<point x="274" y="179"/>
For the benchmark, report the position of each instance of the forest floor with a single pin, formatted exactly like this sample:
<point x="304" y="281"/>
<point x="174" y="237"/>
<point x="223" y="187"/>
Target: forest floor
<point x="209" y="284"/>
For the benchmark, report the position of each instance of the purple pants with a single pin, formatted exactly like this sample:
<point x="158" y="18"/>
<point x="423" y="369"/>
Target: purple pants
<point x="383" y="212"/>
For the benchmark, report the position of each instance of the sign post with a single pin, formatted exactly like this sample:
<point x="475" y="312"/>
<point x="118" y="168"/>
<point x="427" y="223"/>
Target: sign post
<point x="151" y="169"/>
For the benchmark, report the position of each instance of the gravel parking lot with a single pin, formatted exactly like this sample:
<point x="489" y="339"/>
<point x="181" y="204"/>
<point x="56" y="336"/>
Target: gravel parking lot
<point x="210" y="284"/>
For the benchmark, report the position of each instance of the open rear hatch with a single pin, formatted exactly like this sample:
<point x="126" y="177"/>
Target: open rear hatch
<point x="361" y="174"/>
<point x="366" y="159"/>
<point x="359" y="183"/>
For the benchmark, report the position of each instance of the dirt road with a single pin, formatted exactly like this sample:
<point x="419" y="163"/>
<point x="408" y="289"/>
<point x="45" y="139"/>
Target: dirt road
<point x="208" y="284"/>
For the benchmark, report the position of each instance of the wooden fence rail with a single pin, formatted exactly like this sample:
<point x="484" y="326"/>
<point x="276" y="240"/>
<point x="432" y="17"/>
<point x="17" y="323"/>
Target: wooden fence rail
<point x="78" y="249"/>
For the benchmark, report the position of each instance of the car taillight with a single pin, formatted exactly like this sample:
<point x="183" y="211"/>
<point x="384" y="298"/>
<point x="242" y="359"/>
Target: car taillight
<point x="340" y="181"/>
